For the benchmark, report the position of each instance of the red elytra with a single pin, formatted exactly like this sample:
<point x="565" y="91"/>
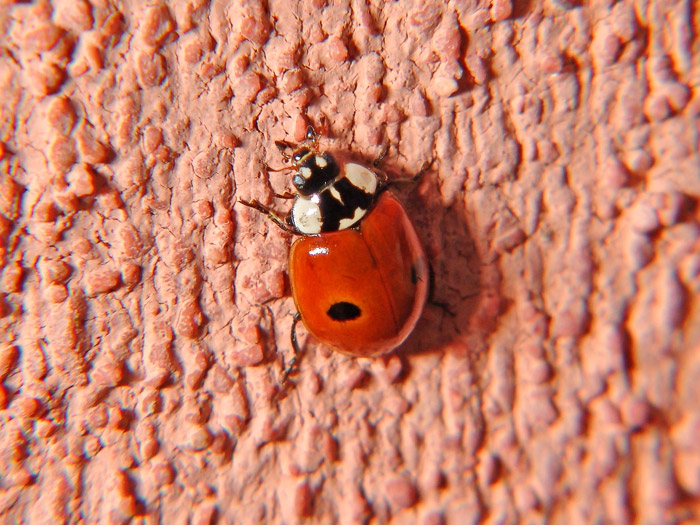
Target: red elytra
<point x="362" y="291"/>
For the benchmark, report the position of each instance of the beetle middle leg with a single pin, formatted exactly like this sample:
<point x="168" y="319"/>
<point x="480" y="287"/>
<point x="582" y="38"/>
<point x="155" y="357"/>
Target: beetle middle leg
<point x="415" y="178"/>
<point x="380" y="157"/>
<point x="388" y="183"/>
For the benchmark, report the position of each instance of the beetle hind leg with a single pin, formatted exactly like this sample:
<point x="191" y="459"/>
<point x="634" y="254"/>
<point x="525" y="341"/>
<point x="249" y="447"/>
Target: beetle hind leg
<point x="291" y="366"/>
<point x="415" y="178"/>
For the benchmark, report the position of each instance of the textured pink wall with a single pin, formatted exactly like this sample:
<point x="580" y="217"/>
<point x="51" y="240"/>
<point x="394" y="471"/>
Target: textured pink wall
<point x="144" y="314"/>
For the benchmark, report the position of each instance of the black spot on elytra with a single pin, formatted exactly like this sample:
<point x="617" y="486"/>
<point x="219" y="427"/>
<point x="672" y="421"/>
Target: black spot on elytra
<point x="414" y="274"/>
<point x="344" y="311"/>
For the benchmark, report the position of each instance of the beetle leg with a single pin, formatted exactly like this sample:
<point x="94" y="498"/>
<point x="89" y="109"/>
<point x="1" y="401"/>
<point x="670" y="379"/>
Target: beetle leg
<point x="423" y="169"/>
<point x="387" y="183"/>
<point x="279" y="221"/>
<point x="295" y="346"/>
<point x="381" y="156"/>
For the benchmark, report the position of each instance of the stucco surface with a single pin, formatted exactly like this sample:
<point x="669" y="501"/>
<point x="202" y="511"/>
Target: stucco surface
<point x="145" y="313"/>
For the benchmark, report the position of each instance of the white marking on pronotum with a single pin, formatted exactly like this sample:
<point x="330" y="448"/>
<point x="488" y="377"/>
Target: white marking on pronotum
<point x="305" y="172"/>
<point x="321" y="162"/>
<point x="346" y="223"/>
<point x="336" y="194"/>
<point x="361" y="177"/>
<point x="306" y="215"/>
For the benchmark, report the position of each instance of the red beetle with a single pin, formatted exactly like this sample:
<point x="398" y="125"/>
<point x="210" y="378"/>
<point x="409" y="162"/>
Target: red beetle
<point x="358" y="272"/>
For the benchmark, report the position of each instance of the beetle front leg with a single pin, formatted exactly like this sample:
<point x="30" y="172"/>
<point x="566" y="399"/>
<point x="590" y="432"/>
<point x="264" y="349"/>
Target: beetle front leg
<point x="279" y="221"/>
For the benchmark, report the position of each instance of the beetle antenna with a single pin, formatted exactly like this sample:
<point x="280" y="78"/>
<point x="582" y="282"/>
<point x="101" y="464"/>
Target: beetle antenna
<point x="286" y="195"/>
<point x="283" y="168"/>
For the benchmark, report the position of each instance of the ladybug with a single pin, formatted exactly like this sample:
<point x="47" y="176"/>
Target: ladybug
<point x="358" y="272"/>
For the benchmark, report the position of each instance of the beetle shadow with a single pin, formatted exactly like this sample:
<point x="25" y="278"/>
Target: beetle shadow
<point x="465" y="302"/>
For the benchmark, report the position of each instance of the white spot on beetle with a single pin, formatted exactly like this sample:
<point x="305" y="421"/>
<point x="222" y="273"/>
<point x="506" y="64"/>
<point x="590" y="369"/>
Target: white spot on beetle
<point x="321" y="162"/>
<point x="305" y="172"/>
<point x="336" y="194"/>
<point x="361" y="177"/>
<point x="306" y="215"/>
<point x="346" y="223"/>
